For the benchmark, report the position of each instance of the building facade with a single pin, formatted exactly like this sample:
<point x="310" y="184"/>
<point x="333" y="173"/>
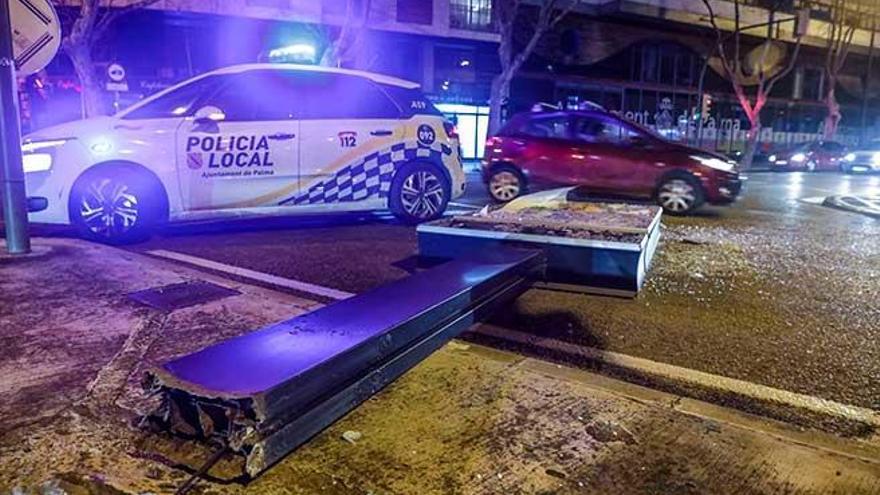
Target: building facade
<point x="655" y="63"/>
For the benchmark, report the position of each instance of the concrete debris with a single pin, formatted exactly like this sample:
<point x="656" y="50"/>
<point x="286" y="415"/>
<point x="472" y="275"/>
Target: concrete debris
<point x="352" y="436"/>
<point x="607" y="431"/>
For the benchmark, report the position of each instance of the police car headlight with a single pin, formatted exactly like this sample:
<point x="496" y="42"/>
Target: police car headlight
<point x="798" y="157"/>
<point x="36" y="162"/>
<point x="38" y="156"/>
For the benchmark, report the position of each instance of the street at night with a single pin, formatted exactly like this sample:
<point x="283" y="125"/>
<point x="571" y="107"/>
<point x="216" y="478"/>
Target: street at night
<point x="744" y="292"/>
<point x="741" y="292"/>
<point x="352" y="247"/>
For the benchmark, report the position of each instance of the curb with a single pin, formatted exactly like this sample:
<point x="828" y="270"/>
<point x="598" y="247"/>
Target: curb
<point x="869" y="206"/>
<point x="791" y="407"/>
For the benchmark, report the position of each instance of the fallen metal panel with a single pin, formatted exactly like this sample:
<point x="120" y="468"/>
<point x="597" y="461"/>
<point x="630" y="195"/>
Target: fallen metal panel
<point x="246" y="390"/>
<point x="258" y="362"/>
<point x="276" y="445"/>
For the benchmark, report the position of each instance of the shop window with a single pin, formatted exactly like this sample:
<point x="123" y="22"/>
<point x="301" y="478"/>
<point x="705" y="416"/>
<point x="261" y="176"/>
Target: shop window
<point x="812" y="84"/>
<point x="685" y="68"/>
<point x="415" y="11"/>
<point x="473" y="15"/>
<point x="473" y="127"/>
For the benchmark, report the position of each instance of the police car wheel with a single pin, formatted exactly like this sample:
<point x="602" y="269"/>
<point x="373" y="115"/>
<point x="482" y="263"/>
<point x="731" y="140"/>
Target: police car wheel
<point x="419" y="193"/>
<point x="115" y="205"/>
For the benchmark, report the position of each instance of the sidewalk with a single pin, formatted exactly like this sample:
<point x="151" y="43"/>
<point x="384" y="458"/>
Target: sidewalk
<point x="468" y="420"/>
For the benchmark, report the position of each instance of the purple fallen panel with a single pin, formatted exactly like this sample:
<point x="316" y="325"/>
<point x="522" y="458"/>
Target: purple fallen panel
<point x="264" y="393"/>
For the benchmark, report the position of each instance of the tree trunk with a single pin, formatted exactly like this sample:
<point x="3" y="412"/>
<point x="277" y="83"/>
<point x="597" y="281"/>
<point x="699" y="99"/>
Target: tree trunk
<point x="499" y="95"/>
<point x="92" y="93"/>
<point x="832" y="121"/>
<point x="752" y="144"/>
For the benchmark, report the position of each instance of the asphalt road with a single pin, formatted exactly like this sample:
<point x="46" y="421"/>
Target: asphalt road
<point x="356" y="252"/>
<point x="774" y="289"/>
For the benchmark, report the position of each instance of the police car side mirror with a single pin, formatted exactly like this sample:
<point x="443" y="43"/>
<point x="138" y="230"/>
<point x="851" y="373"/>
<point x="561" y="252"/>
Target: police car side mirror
<point x="208" y="115"/>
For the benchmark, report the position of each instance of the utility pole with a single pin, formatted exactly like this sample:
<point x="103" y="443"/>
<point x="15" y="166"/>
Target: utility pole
<point x="12" y="189"/>
<point x="867" y="85"/>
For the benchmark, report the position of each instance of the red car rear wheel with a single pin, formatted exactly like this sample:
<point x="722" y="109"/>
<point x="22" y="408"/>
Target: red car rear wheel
<point x="680" y="195"/>
<point x="506" y="184"/>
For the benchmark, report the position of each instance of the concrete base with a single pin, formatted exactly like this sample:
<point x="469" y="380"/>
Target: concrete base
<point x="38" y="250"/>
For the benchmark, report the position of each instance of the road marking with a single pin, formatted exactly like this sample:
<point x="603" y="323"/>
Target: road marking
<point x="706" y="380"/>
<point x="266" y="278"/>
<point x="466" y="205"/>
<point x="756" y="391"/>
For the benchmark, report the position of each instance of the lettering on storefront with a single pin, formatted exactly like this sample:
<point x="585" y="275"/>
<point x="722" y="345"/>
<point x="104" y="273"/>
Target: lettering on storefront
<point x="725" y="131"/>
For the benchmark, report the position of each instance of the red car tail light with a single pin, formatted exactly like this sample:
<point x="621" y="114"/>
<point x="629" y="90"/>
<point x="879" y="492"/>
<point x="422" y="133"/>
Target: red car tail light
<point x="493" y="141"/>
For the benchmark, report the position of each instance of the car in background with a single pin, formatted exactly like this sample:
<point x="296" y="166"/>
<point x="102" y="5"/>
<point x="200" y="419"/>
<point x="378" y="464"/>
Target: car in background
<point x="248" y="141"/>
<point x="811" y="157"/>
<point x="863" y="159"/>
<point x="607" y="155"/>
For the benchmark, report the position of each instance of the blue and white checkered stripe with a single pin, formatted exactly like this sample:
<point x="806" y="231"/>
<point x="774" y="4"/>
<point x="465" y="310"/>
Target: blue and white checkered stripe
<point x="370" y="176"/>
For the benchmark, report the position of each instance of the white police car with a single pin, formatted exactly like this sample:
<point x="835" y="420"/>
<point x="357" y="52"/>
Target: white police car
<point x="255" y="139"/>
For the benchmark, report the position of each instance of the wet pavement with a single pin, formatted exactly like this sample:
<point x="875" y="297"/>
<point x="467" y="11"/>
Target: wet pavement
<point x="776" y="289"/>
<point x="467" y="420"/>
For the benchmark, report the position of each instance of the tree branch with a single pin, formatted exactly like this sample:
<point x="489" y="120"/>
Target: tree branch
<point x="549" y="15"/>
<point x="722" y="52"/>
<point x="736" y="33"/>
<point x="562" y="13"/>
<point x="791" y="63"/>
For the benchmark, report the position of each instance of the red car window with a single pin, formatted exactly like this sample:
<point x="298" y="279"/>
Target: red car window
<point x="546" y="127"/>
<point x="602" y="130"/>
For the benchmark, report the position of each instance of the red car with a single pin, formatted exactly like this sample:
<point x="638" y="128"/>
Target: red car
<point x="606" y="154"/>
<point x="817" y="155"/>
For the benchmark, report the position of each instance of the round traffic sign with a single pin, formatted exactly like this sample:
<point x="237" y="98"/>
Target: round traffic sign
<point x="36" y="34"/>
<point x="116" y="72"/>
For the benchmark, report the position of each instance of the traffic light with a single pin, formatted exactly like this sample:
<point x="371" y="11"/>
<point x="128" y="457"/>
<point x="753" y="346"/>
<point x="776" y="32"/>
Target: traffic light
<point x="706" y="109"/>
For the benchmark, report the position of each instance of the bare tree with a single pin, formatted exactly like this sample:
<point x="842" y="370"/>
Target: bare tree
<point x="752" y="102"/>
<point x="550" y="13"/>
<point x="841" y="29"/>
<point x="344" y="50"/>
<point x="90" y="25"/>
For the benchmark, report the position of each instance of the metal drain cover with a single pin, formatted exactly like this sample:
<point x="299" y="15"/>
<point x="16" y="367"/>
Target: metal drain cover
<point x="182" y="295"/>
